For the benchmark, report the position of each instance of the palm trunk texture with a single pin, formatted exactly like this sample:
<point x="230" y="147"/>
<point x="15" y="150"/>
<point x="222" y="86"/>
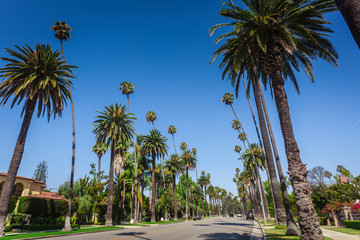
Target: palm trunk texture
<point x="109" y="220"/>
<point x="291" y="226"/>
<point x="308" y="219"/>
<point x="14" y="166"/>
<point x="187" y="195"/>
<point x="174" y="195"/>
<point x="153" y="189"/>
<point x="350" y="9"/>
<point x="280" y="211"/>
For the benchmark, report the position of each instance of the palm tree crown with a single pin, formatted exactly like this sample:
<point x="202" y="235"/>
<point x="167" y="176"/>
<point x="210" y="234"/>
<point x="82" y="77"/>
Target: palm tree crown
<point x="174" y="164"/>
<point x="228" y="98"/>
<point x="172" y="129"/>
<point x="237" y="149"/>
<point x="36" y="76"/>
<point x="151" y="117"/>
<point x="154" y="143"/>
<point x="183" y="146"/>
<point x="127" y="88"/>
<point x="62" y="30"/>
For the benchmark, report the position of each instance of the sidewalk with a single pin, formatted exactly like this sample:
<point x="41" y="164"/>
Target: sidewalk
<point x="257" y="233"/>
<point x="338" y="235"/>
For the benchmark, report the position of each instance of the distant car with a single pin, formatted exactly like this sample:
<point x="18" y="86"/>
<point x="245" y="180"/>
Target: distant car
<point x="250" y="216"/>
<point x="224" y="215"/>
<point x="231" y="215"/>
<point x="239" y="215"/>
<point x="197" y="217"/>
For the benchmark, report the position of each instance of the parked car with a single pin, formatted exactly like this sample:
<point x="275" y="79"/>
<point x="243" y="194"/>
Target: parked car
<point x="239" y="215"/>
<point x="231" y="215"/>
<point x="224" y="215"/>
<point x="250" y="216"/>
<point x="197" y="217"/>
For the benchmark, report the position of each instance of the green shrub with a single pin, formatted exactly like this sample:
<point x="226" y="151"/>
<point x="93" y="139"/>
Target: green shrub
<point x="100" y="223"/>
<point x="19" y="208"/>
<point x="39" y="207"/>
<point x="46" y="227"/>
<point x="352" y="224"/>
<point x="323" y="220"/>
<point x="8" y="228"/>
<point x="280" y="227"/>
<point x="12" y="204"/>
<point x="16" y="218"/>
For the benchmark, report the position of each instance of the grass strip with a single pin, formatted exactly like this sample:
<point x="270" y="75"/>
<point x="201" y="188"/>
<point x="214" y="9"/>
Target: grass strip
<point x="163" y="222"/>
<point x="279" y="234"/>
<point x="59" y="232"/>
<point x="350" y="231"/>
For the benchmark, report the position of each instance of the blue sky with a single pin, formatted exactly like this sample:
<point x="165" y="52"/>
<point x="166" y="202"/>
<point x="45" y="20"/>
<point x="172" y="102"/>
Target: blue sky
<point x="164" y="48"/>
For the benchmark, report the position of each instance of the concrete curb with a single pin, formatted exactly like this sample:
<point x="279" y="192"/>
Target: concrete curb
<point x="258" y="232"/>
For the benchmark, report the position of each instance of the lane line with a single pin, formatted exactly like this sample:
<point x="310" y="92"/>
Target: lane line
<point x="138" y="235"/>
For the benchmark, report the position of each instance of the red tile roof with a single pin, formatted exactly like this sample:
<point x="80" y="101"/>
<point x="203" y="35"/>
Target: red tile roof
<point x="24" y="178"/>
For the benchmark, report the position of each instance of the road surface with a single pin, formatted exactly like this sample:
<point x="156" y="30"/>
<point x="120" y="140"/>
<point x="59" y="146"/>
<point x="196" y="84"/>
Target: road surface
<point x="212" y="228"/>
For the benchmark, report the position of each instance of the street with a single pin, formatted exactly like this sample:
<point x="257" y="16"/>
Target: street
<point x="213" y="228"/>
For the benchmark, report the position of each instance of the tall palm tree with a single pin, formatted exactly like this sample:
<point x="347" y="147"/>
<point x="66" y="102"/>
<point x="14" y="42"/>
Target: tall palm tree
<point x="183" y="146"/>
<point x="175" y="166"/>
<point x="189" y="162"/>
<point x="282" y="36"/>
<point x="350" y="9"/>
<point x="99" y="149"/>
<point x="154" y="145"/>
<point x="172" y="130"/>
<point x="62" y="32"/>
<point x="35" y="77"/>
<point x="127" y="88"/>
<point x="150" y="117"/>
<point x="111" y="126"/>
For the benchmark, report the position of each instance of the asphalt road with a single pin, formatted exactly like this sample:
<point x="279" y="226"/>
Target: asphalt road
<point x="213" y="228"/>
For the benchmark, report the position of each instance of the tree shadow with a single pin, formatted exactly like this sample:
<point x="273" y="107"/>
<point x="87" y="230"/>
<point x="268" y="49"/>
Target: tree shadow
<point x="233" y="224"/>
<point x="201" y="225"/>
<point x="134" y="234"/>
<point x="225" y="236"/>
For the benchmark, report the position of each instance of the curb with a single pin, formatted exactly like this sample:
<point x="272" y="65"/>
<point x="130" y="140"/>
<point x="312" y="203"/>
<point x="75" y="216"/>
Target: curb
<point x="262" y="231"/>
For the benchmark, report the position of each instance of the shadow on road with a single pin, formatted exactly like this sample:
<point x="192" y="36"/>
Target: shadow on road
<point x="225" y="236"/>
<point x="134" y="234"/>
<point x="201" y="225"/>
<point x="233" y="224"/>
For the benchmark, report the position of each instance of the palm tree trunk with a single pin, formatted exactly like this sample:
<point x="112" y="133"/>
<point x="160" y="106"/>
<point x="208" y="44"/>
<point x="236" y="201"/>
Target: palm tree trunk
<point x="14" y="166"/>
<point x="67" y="226"/>
<point x="174" y="143"/>
<point x="174" y="195"/>
<point x="109" y="220"/>
<point x="350" y="9"/>
<point x="205" y="203"/>
<point x="153" y="190"/>
<point x="136" y="167"/>
<point x="132" y="202"/>
<point x="308" y="219"/>
<point x="163" y="175"/>
<point x="278" y="207"/>
<point x="99" y="167"/>
<point x="187" y="195"/>
<point x="292" y="228"/>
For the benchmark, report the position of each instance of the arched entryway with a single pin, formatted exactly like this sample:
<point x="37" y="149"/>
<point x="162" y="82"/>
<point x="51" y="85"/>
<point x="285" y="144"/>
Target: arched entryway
<point x="19" y="188"/>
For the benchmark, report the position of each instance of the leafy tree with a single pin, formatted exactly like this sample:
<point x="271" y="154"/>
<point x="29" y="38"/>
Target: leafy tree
<point x="111" y="126"/>
<point x="100" y="149"/>
<point x="174" y="165"/>
<point x="41" y="172"/>
<point x="150" y="117"/>
<point x="172" y="130"/>
<point x="24" y="80"/>
<point x="189" y="162"/>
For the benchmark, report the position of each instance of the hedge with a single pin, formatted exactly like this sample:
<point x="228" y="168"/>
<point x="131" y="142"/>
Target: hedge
<point x="12" y="204"/>
<point x="352" y="224"/>
<point x="280" y="227"/>
<point x="40" y="207"/>
<point x="8" y="228"/>
<point x="47" y="227"/>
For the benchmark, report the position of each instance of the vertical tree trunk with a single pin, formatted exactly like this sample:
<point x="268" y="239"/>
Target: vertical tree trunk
<point x="109" y="220"/>
<point x="291" y="227"/>
<point x="14" y="166"/>
<point x="308" y="219"/>
<point x="67" y="226"/>
<point x="153" y="190"/>
<point x="206" y="213"/>
<point x="187" y="195"/>
<point x="174" y="195"/>
<point x="350" y="9"/>
<point x="278" y="207"/>
<point x="99" y="168"/>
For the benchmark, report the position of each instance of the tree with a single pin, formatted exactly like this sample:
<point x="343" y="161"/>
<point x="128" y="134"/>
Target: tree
<point x="111" y="126"/>
<point x="62" y="32"/>
<point x="175" y="166"/>
<point x="189" y="162"/>
<point x="25" y="81"/>
<point x="183" y="146"/>
<point x="317" y="176"/>
<point x="350" y="9"/>
<point x="99" y="149"/>
<point x="154" y="145"/>
<point x="127" y="88"/>
<point x="150" y="117"/>
<point x="282" y="36"/>
<point x="172" y="130"/>
<point x="41" y="172"/>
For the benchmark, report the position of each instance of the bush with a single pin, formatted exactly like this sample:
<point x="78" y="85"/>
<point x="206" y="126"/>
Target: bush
<point x="323" y="220"/>
<point x="19" y="208"/>
<point x="12" y="204"/>
<point x="8" y="228"/>
<point x="280" y="227"/>
<point x="16" y="218"/>
<point x="352" y="224"/>
<point x="100" y="223"/>
<point x="46" y="227"/>
<point x="39" y="207"/>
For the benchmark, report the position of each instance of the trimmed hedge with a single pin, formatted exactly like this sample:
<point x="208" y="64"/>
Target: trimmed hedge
<point x="39" y="207"/>
<point x="47" y="227"/>
<point x="8" y="228"/>
<point x="352" y="224"/>
<point x="280" y="227"/>
<point x="12" y="204"/>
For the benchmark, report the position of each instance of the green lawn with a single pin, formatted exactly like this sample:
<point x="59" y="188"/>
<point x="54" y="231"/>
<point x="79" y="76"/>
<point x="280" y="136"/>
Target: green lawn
<point x="161" y="222"/>
<point x="278" y="234"/>
<point x="345" y="230"/>
<point x="268" y="223"/>
<point x="59" y="232"/>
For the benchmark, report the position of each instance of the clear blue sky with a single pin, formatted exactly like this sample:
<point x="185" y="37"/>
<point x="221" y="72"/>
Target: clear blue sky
<point x="164" y="48"/>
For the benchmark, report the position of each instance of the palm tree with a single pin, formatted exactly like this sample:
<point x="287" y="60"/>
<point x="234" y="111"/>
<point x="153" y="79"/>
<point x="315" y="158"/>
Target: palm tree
<point x="237" y="149"/>
<point x="189" y="162"/>
<point x="62" y="32"/>
<point x="151" y="117"/>
<point x="127" y="88"/>
<point x="350" y="9"/>
<point x="35" y="77"/>
<point x="172" y="130"/>
<point x="111" y="126"/>
<point x="183" y="146"/>
<point x="282" y="36"/>
<point x="99" y="149"/>
<point x="175" y="166"/>
<point x="154" y="145"/>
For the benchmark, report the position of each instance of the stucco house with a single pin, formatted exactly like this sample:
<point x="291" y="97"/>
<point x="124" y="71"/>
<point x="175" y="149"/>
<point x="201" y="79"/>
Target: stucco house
<point x="24" y="186"/>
